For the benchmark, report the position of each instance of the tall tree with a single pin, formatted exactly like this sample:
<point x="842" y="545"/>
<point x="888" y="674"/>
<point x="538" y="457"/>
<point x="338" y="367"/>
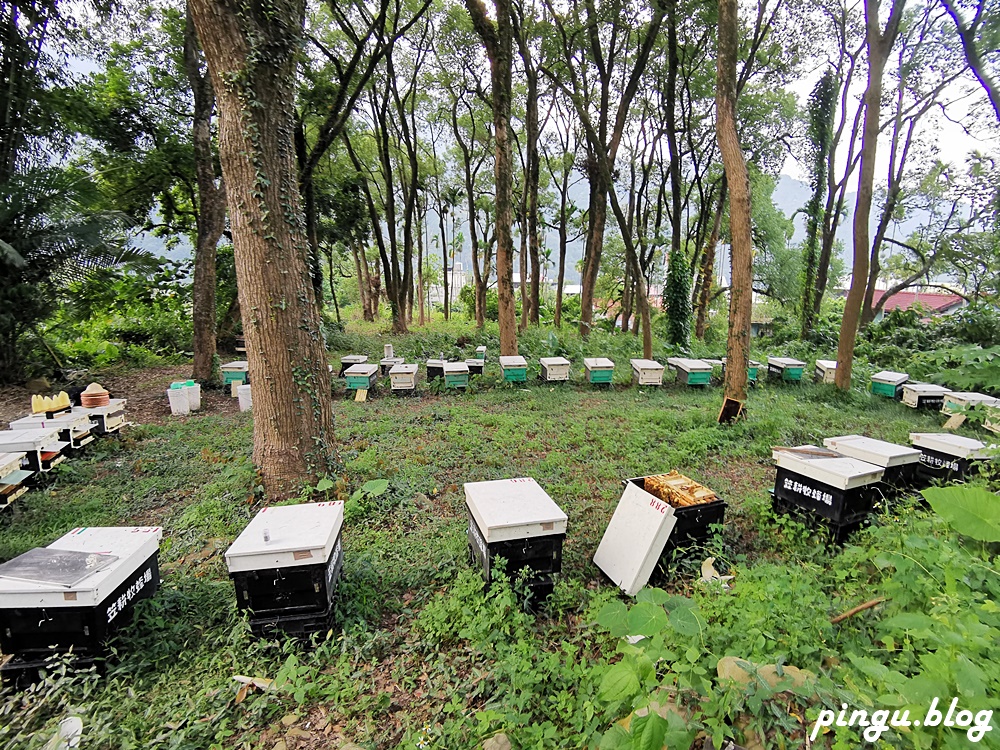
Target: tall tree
<point x="498" y="40"/>
<point x="252" y="53"/>
<point x="879" y="44"/>
<point x="211" y="219"/>
<point x="741" y="246"/>
<point x="980" y="38"/>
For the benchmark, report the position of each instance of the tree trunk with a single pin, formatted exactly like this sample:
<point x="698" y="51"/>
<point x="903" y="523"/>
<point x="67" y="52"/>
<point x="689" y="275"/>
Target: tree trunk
<point x="211" y="220"/>
<point x="333" y="287"/>
<point x="708" y="265"/>
<point x="563" y="244"/>
<point x="879" y="46"/>
<point x="252" y="59"/>
<point x="523" y="274"/>
<point x="498" y="41"/>
<point x="741" y="248"/>
<point x="967" y="35"/>
<point x="596" y="221"/>
<point x="445" y="281"/>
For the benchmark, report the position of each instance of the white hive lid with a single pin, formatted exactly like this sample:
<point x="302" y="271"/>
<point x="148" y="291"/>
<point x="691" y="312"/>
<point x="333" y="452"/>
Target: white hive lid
<point x="355" y="359"/>
<point x="784" y="362"/>
<point x="403" y="369"/>
<point x="513" y="509"/>
<point x="826" y="364"/>
<point x="506" y="362"/>
<point x="952" y="445"/>
<point x="480" y="348"/>
<point x="966" y="399"/>
<point x="634" y="539"/>
<point x="132" y="545"/>
<point x="554" y="361"/>
<point x="114" y="405"/>
<point x="840" y="471"/>
<point x="890" y="377"/>
<point x="61" y="422"/>
<point x="689" y="365"/>
<point x="645" y="364"/>
<point x="435" y="363"/>
<point x="391" y="361"/>
<point x="28" y="440"/>
<point x="10" y="462"/>
<point x="926" y="389"/>
<point x="598" y="363"/>
<point x="475" y="361"/>
<point x="237" y="366"/>
<point x="297" y="535"/>
<point x="361" y="370"/>
<point x="455" y="368"/>
<point x="878" y="452"/>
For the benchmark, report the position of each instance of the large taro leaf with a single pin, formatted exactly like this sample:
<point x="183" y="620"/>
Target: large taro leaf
<point x="971" y="511"/>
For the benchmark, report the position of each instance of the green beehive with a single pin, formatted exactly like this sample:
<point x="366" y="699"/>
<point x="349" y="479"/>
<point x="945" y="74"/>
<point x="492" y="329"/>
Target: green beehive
<point x="361" y="377"/>
<point x="785" y="368"/>
<point x="234" y="372"/>
<point x="515" y="369"/>
<point x="691" y="371"/>
<point x="889" y="384"/>
<point x="456" y="375"/>
<point x="599" y="369"/>
<point x="481" y="353"/>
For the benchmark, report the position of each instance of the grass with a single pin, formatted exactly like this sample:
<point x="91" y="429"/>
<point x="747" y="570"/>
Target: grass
<point x="422" y="656"/>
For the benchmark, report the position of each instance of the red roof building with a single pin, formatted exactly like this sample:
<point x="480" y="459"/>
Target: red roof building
<point x="938" y="303"/>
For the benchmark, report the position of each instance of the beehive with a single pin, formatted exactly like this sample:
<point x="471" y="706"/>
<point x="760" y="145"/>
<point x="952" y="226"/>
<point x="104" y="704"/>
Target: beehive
<point x="109" y="419"/>
<point x="481" y="353"/>
<point x="42" y="447"/>
<point x="691" y="371"/>
<point x="599" y="370"/>
<point x="12" y="477"/>
<point x="349" y="360"/>
<point x="947" y="456"/>
<point x="554" y="369"/>
<point x="647" y="372"/>
<point x="826" y="370"/>
<point x="456" y="375"/>
<point x="361" y="377"/>
<point x="961" y="401"/>
<point x="476" y="366"/>
<point x="889" y="384"/>
<point x="387" y="363"/>
<point x="514" y="369"/>
<point x="785" y="368"/>
<point x="924" y="395"/>
<point x="403" y="377"/>
<point x="74" y="593"/>
<point x="235" y="372"/>
<point x="285" y="566"/>
<point x="515" y="519"/>
<point x="899" y="462"/>
<point x="826" y="483"/>
<point x="435" y="369"/>
<point x="74" y="428"/>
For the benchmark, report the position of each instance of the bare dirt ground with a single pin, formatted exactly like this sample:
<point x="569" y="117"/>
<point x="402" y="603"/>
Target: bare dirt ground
<point x="145" y="390"/>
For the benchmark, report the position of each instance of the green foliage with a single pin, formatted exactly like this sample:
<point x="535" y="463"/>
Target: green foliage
<point x="677" y="300"/>
<point x="969" y="510"/>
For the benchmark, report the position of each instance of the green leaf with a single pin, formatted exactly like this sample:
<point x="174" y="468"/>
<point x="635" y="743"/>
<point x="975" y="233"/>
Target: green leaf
<point x="653" y="595"/>
<point x="615" y="738"/>
<point x="685" y="621"/>
<point x="614" y="617"/>
<point x="971" y="511"/>
<point x="620" y="683"/>
<point x="908" y="621"/>
<point x="375" y="487"/>
<point x="324" y="484"/>
<point x="648" y="732"/>
<point x="646" y="618"/>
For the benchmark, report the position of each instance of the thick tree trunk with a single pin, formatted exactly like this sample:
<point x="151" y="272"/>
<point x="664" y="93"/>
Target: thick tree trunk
<point x="498" y="40"/>
<point x="596" y="221"/>
<point x="741" y="248"/>
<point x="211" y="220"/>
<point x="252" y="59"/>
<point x="445" y="280"/>
<point x="879" y="47"/>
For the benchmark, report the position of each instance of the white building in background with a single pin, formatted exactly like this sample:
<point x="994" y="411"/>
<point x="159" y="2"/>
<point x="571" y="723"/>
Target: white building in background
<point x="456" y="280"/>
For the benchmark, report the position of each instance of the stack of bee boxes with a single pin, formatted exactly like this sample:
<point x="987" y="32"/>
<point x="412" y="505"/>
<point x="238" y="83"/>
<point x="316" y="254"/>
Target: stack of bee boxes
<point x="924" y="395"/>
<point x="889" y="384"/>
<point x="514" y="369"/>
<point x="946" y="456"/>
<point x="826" y="370"/>
<point x="12" y="478"/>
<point x="599" y="370"/>
<point x="554" y="369"/>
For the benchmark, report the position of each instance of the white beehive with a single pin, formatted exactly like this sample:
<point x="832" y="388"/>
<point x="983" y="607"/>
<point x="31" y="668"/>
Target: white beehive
<point x="387" y="363"/>
<point x="826" y="370"/>
<point x="954" y="401"/>
<point x="40" y="586"/>
<point x="951" y="445"/>
<point x="647" y="372"/>
<point x="918" y="395"/>
<point x="403" y="377"/>
<point x="840" y="472"/>
<point x="287" y="536"/>
<point x="12" y="477"/>
<point x="635" y="537"/>
<point x="519" y="508"/>
<point x="109" y="418"/>
<point x="890" y="377"/>
<point x="74" y="428"/>
<point x="873" y="451"/>
<point x="554" y="368"/>
<point x="42" y="446"/>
